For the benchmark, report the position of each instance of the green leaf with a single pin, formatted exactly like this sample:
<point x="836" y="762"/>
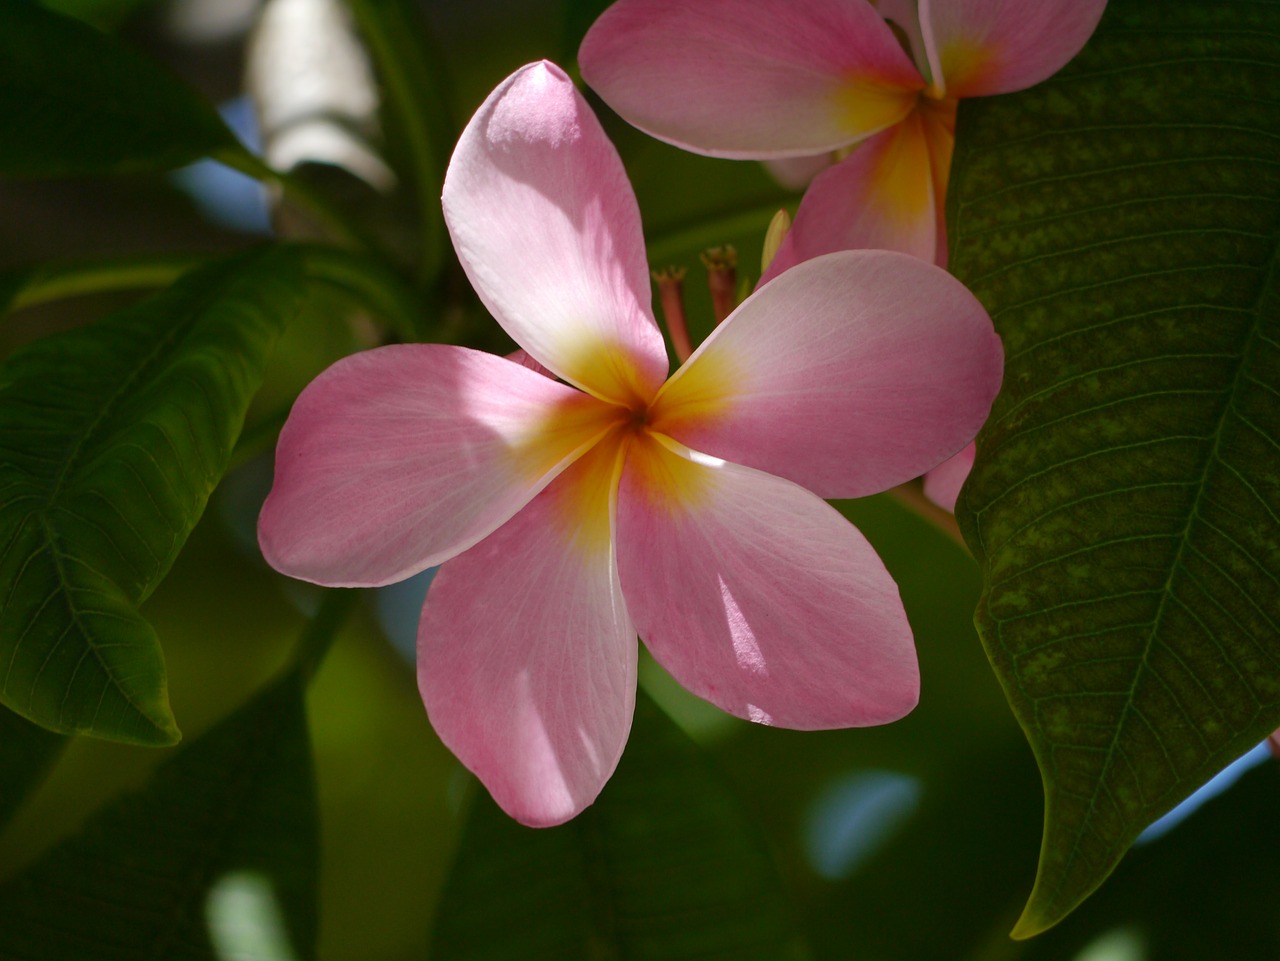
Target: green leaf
<point x="52" y="281"/>
<point x="417" y="92"/>
<point x="1207" y="890"/>
<point x="1121" y="222"/>
<point x="664" y="865"/>
<point x="113" y="437"/>
<point x="75" y="101"/>
<point x="106" y="14"/>
<point x="26" y="754"/>
<point x="217" y="858"/>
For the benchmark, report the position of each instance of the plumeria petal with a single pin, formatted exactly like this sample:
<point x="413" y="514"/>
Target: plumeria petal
<point x="759" y="596"/>
<point x="770" y="78"/>
<point x="546" y="225"/>
<point x="848" y="374"/>
<point x="905" y="17"/>
<point x="521" y="357"/>
<point x="938" y="119"/>
<point x="879" y="197"/>
<point x="942" y="484"/>
<point x="526" y="654"/>
<point x="981" y="47"/>
<point x="396" y="459"/>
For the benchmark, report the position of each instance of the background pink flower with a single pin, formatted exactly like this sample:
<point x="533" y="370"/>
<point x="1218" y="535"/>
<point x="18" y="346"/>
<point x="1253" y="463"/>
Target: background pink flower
<point x="774" y="79"/>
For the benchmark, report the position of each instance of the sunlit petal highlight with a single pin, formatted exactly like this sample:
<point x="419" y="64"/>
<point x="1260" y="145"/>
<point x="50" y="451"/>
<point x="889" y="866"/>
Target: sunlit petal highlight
<point x="759" y="596"/>
<point x="546" y="225"/>
<point x="396" y="459"/>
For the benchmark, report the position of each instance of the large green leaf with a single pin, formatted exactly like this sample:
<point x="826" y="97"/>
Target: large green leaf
<point x="1121" y="223"/>
<point x="217" y="858"/>
<point x="113" y="437"/>
<point x="75" y="101"/>
<point x="664" y="865"/>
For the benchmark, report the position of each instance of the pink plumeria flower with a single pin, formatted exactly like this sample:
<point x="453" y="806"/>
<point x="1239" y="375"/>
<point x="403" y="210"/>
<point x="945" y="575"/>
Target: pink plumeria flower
<point x="575" y="512"/>
<point x="779" y="79"/>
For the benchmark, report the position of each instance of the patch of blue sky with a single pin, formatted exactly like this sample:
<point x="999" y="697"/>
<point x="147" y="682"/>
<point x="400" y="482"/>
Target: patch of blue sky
<point x="224" y="196"/>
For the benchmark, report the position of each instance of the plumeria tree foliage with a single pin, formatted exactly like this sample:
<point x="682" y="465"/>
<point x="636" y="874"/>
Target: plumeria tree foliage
<point x="1099" y="181"/>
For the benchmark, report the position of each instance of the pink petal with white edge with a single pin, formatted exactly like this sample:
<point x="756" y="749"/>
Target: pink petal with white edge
<point x="880" y="197"/>
<point x="982" y="47"/>
<point x="942" y="484"/>
<point x="546" y="225"/>
<point x="848" y="374"/>
<point x="396" y="459"/>
<point x="759" y="596"/>
<point x="526" y="654"/>
<point x="769" y="78"/>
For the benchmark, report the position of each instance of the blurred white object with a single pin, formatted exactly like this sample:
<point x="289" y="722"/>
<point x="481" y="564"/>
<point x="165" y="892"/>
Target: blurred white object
<point x="314" y="90"/>
<point x="210" y="21"/>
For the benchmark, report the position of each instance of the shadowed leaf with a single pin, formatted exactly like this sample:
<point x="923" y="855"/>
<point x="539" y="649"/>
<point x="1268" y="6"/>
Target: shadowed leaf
<point x="75" y="101"/>
<point x="1121" y="223"/>
<point x="217" y="858"/>
<point x="664" y="865"/>
<point x="106" y="14"/>
<point x="1218" y="867"/>
<point x="113" y="437"/>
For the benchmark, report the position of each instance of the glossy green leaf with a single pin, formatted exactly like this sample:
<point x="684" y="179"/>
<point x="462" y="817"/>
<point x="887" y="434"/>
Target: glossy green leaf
<point x="665" y="865"/>
<point x="1121" y="222"/>
<point x="113" y="437"/>
<point x="27" y="751"/>
<point x="217" y="858"/>
<point x="75" y="101"/>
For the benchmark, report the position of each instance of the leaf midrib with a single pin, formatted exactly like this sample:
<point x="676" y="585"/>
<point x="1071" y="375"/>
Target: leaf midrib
<point x="165" y="342"/>
<point x="51" y="538"/>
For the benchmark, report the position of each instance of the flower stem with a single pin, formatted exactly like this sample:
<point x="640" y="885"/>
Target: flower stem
<point x="722" y="279"/>
<point x="670" y="281"/>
